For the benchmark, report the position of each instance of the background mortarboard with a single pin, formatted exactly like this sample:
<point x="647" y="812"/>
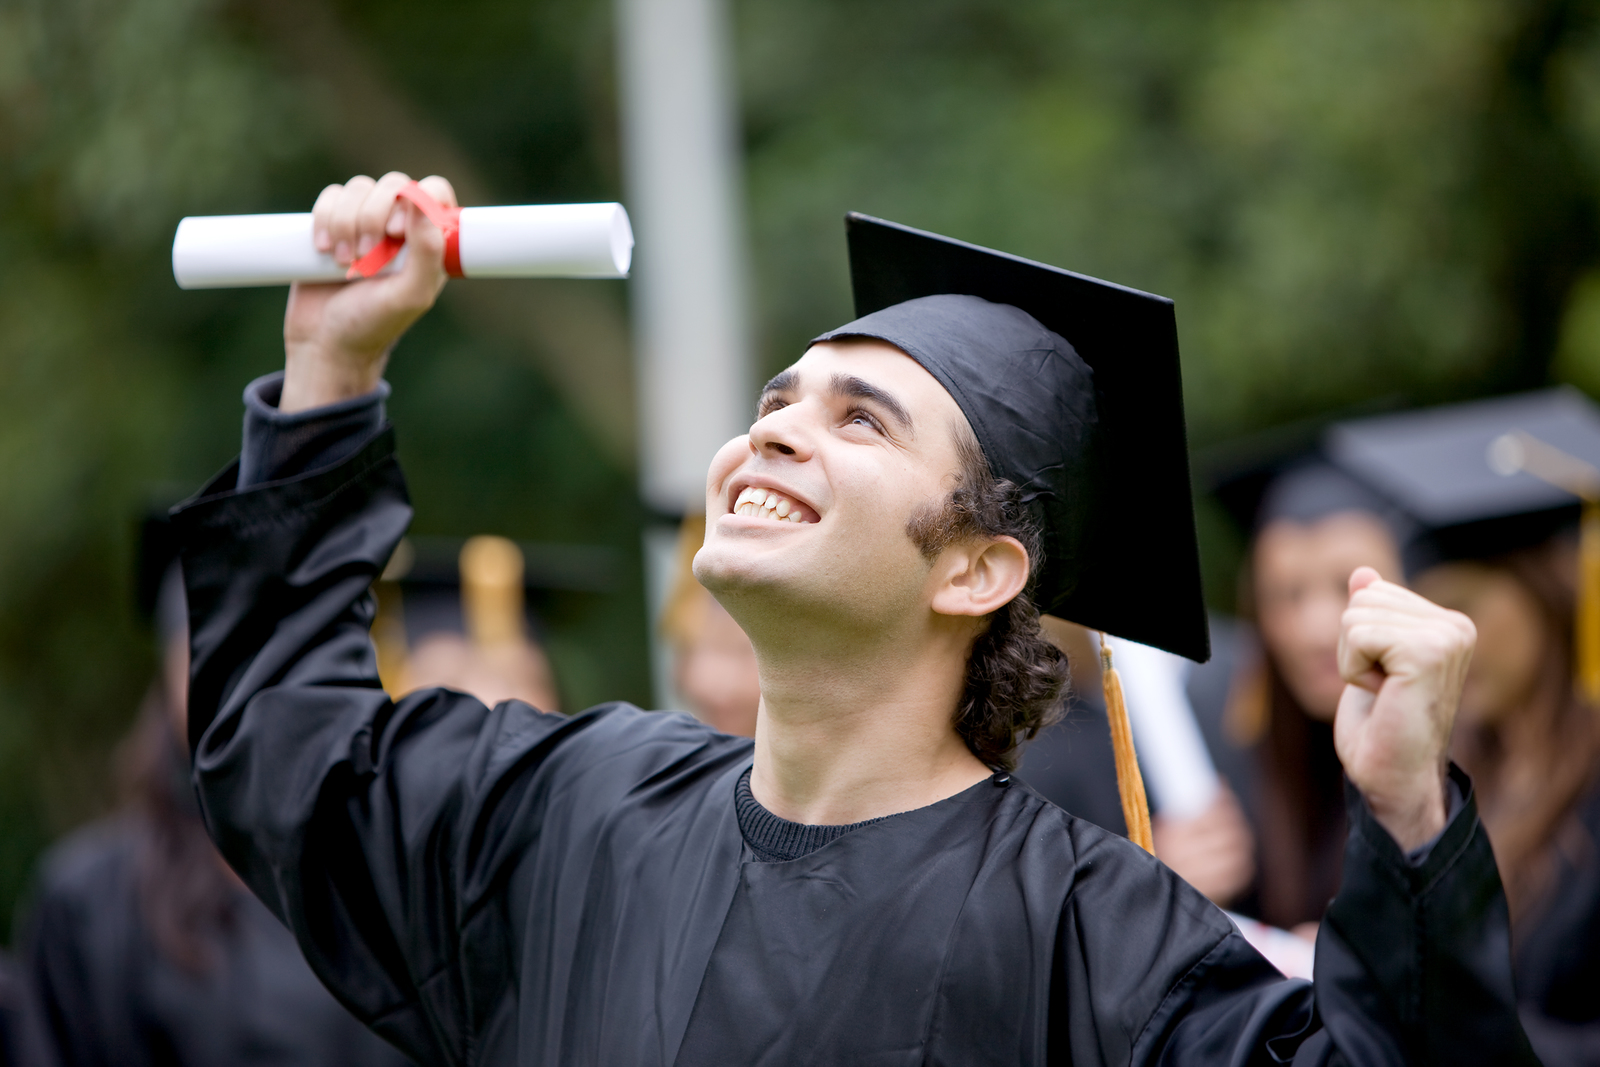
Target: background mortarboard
<point x="427" y="571"/>
<point x="464" y="613"/>
<point x="1437" y="465"/>
<point x="155" y="552"/>
<point x="1139" y="571"/>
<point x="1434" y="464"/>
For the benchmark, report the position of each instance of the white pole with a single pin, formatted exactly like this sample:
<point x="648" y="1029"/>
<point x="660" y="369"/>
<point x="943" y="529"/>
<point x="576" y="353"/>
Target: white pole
<point x="685" y="196"/>
<point x="1182" y="779"/>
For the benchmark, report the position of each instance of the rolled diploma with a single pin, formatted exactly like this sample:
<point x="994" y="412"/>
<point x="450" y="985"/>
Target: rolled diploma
<point x="1183" y="781"/>
<point x="523" y="241"/>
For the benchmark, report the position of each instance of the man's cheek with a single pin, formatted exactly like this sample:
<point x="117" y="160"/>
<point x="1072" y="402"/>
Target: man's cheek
<point x="723" y="465"/>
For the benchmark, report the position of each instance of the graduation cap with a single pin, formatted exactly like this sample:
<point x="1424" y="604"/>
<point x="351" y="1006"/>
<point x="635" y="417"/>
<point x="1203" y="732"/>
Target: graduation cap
<point x="1281" y="473"/>
<point x="1072" y="388"/>
<point x="1491" y="476"/>
<point x="1305" y="487"/>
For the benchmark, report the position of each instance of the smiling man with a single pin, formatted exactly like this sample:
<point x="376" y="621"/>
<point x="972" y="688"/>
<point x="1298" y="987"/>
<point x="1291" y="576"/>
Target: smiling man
<point x="865" y="883"/>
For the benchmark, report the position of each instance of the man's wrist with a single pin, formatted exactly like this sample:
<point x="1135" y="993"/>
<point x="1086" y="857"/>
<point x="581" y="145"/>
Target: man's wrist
<point x="1412" y="816"/>
<point x="314" y="377"/>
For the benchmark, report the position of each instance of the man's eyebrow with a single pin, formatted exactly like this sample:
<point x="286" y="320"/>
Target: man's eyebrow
<point x="781" y="382"/>
<point x="851" y="386"/>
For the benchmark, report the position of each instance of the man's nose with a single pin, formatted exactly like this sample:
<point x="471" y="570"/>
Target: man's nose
<point x="782" y="433"/>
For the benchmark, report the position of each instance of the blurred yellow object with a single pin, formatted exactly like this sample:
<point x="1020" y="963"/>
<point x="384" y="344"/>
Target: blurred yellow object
<point x="389" y="625"/>
<point x="491" y="590"/>
<point x="494" y="661"/>
<point x="683" y="615"/>
<point x="1588" y="620"/>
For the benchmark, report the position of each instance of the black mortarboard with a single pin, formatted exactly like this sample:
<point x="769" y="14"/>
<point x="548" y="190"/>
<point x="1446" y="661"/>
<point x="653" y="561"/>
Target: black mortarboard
<point x="1436" y="464"/>
<point x="1072" y="387"/>
<point x="156" y="552"/>
<point x="1493" y="476"/>
<point x="1304" y="488"/>
<point x="485" y="590"/>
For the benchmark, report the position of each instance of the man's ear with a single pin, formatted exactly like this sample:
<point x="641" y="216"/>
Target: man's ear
<point x="979" y="578"/>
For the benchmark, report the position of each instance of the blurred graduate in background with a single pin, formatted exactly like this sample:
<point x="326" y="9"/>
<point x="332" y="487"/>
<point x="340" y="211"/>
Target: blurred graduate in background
<point x="141" y="946"/>
<point x="1504" y="546"/>
<point x="455" y="614"/>
<point x="714" y="664"/>
<point x="1266" y="701"/>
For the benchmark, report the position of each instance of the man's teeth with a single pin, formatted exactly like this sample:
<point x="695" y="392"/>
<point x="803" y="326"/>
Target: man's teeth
<point x="767" y="504"/>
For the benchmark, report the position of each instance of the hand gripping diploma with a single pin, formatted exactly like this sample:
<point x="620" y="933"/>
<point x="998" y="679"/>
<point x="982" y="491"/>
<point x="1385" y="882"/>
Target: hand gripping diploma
<point x="1405" y="660"/>
<point x="337" y="336"/>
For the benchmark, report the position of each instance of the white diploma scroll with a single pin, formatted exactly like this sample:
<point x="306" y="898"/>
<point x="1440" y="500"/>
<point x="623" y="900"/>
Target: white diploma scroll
<point x="1181" y="777"/>
<point x="524" y="241"/>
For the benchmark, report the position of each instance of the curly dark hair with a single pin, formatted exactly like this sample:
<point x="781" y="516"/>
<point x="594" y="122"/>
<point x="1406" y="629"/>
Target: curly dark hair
<point x="1016" y="677"/>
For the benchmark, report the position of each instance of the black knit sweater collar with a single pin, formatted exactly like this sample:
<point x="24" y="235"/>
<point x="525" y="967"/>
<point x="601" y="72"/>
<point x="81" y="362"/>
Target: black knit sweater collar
<point x="774" y="840"/>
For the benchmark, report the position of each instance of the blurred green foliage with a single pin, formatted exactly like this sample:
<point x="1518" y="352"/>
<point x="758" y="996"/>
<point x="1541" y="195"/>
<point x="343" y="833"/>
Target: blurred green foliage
<point x="1348" y="199"/>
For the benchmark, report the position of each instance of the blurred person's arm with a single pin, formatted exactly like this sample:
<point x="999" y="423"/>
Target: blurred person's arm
<point x="79" y="1008"/>
<point x="1213" y="851"/>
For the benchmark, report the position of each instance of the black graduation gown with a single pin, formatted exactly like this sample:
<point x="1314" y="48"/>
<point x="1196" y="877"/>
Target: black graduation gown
<point x="1556" y="948"/>
<point x="103" y="994"/>
<point x="506" y="886"/>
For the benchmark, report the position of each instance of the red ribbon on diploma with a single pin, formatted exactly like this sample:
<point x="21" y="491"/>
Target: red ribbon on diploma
<point x="448" y="219"/>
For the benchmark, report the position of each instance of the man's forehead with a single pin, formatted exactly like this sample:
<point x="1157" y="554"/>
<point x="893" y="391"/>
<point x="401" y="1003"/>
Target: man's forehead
<point x="874" y="361"/>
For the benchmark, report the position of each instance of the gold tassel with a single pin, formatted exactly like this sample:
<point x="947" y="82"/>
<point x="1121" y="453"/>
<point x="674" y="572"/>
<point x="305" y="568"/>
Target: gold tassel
<point x="1130" y="783"/>
<point x="1588" y="622"/>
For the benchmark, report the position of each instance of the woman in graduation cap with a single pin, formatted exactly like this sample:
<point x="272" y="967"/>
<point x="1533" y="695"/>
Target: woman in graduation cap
<point x="864" y="882"/>
<point x="1267" y="704"/>
<point x="1503" y="547"/>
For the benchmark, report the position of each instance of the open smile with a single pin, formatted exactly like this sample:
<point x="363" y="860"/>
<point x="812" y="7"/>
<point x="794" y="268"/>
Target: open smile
<point x="760" y="502"/>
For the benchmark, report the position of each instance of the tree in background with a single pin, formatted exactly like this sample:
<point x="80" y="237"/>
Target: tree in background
<point x="1349" y="199"/>
<point x="1346" y="199"/>
<point x="117" y="117"/>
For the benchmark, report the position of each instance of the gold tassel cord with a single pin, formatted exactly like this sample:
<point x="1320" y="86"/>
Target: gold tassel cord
<point x="1588" y="621"/>
<point x="1130" y="783"/>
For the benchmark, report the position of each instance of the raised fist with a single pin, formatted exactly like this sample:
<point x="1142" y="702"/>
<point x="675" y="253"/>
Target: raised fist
<point x="1404" y="660"/>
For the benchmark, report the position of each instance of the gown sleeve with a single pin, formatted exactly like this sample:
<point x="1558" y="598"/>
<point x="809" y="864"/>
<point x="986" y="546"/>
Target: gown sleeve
<point x="1413" y="966"/>
<point x="385" y="835"/>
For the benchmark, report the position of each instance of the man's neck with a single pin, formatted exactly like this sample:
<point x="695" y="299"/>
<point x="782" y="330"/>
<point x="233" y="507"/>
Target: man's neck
<point x="845" y="737"/>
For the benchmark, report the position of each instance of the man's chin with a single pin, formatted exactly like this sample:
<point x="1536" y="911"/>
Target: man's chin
<point x="726" y="571"/>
